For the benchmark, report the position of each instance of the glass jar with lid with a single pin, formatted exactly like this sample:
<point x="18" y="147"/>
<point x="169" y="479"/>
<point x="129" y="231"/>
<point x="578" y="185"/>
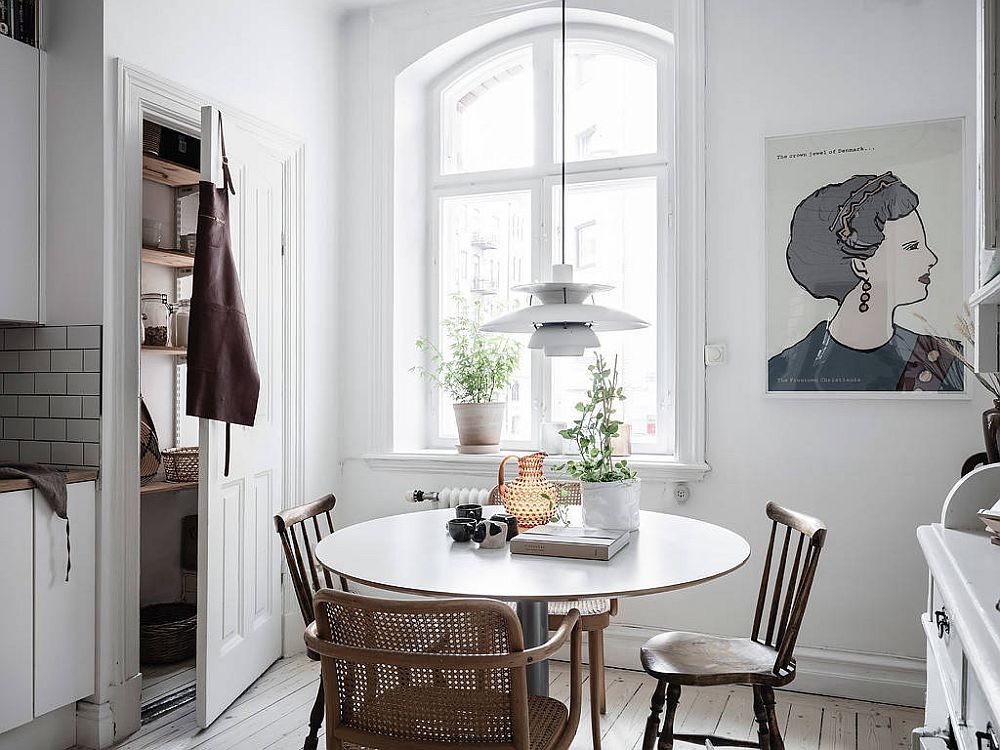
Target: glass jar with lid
<point x="181" y="318"/>
<point x="155" y="319"/>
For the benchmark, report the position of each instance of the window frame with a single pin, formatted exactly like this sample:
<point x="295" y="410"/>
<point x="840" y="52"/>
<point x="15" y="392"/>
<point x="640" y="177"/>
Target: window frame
<point x="539" y="179"/>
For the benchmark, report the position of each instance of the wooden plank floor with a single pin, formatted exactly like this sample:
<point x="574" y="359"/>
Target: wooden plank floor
<point x="273" y="715"/>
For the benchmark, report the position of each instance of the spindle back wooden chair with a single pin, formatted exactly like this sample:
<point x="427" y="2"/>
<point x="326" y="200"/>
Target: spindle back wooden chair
<point x="301" y="529"/>
<point x="763" y="661"/>
<point x="595" y="617"/>
<point x="433" y="674"/>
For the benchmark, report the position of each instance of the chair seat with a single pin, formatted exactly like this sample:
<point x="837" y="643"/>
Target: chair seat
<point x="547" y="717"/>
<point x="699" y="659"/>
<point x="586" y="607"/>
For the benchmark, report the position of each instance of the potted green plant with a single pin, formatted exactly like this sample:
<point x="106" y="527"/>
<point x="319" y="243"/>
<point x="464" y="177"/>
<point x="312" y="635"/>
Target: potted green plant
<point x="476" y="372"/>
<point x="609" y="489"/>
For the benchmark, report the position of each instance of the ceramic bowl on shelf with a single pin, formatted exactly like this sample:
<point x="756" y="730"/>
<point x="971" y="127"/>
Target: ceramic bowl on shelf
<point x="152" y="232"/>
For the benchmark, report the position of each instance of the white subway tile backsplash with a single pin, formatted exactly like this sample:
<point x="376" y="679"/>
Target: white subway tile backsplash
<point x="83" y="383"/>
<point x="8" y="406"/>
<point x="83" y="337"/>
<point x="33" y="452"/>
<point x="65" y="406"/>
<point x="83" y="430"/>
<point x="67" y="453"/>
<point x="50" y="429"/>
<point x="8" y="451"/>
<point x="15" y="384"/>
<point x="32" y="406"/>
<point x="51" y="382"/>
<point x="67" y="360"/>
<point x="18" y="428"/>
<point x="50" y="337"/>
<point x="92" y="360"/>
<point x="19" y="338"/>
<point x="34" y="361"/>
<point x="50" y="386"/>
<point x="91" y="407"/>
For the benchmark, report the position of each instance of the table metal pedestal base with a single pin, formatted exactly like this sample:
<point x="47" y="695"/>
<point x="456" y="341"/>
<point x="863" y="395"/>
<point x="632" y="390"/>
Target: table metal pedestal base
<point x="534" y="617"/>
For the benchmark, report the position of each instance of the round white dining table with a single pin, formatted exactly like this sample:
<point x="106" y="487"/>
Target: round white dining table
<point x="412" y="553"/>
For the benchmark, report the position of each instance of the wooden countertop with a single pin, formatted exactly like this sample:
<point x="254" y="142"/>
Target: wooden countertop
<point x="72" y="477"/>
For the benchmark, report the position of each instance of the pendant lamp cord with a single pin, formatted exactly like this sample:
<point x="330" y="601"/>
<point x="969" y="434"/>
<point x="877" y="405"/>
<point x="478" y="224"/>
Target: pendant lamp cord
<point x="563" y="201"/>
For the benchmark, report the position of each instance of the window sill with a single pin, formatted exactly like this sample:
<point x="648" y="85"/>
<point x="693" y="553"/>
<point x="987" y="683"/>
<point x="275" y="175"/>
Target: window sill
<point x="651" y="468"/>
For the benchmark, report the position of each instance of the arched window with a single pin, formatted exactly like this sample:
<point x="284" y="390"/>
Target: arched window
<point x="494" y="199"/>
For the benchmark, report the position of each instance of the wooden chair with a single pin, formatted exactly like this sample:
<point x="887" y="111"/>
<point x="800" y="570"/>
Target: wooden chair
<point x="763" y="661"/>
<point x="595" y="616"/>
<point x="433" y="674"/>
<point x="297" y="542"/>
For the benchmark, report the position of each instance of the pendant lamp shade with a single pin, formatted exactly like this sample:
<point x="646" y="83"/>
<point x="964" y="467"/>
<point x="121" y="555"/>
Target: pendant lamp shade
<point x="564" y="324"/>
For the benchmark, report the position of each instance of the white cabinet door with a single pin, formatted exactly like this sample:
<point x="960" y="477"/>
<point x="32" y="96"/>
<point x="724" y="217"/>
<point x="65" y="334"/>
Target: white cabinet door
<point x="239" y="568"/>
<point x="64" y="610"/>
<point x="15" y="624"/>
<point x="19" y="206"/>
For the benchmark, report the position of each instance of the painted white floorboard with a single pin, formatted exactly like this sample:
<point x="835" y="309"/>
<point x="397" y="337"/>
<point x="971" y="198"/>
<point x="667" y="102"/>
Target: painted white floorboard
<point x="274" y="714"/>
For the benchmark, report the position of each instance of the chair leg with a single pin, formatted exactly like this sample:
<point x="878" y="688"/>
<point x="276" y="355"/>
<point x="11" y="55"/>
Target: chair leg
<point x="667" y="733"/>
<point x="763" y="717"/>
<point x="315" y="720"/>
<point x="595" y="645"/>
<point x="776" y="743"/>
<point x="653" y="722"/>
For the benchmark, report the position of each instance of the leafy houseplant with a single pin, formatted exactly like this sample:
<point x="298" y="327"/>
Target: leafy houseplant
<point x="609" y="489"/>
<point x="476" y="369"/>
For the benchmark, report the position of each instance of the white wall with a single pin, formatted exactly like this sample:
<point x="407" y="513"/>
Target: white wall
<point x="874" y="470"/>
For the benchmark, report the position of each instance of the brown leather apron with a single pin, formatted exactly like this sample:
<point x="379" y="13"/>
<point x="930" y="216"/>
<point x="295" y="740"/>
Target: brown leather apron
<point x="222" y="378"/>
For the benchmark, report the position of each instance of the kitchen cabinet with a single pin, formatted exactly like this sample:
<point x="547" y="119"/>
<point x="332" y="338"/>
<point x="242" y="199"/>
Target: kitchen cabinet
<point x="20" y="116"/>
<point x="48" y="625"/>
<point x="64" y="610"/>
<point x="16" y="626"/>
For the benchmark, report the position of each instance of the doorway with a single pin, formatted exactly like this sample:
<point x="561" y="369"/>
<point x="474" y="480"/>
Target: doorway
<point x="125" y="549"/>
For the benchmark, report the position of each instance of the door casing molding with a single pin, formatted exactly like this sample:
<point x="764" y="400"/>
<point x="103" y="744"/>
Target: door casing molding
<point x="144" y="95"/>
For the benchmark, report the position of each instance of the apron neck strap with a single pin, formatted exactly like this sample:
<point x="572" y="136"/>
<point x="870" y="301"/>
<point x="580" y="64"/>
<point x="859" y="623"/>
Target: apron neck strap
<point x="227" y="180"/>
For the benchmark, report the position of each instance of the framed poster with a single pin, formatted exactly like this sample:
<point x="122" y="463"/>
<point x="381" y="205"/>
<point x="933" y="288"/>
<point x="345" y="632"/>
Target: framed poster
<point x="865" y="269"/>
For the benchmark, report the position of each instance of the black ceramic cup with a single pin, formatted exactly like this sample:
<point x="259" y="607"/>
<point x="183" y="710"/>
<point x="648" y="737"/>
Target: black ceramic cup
<point x="462" y="529"/>
<point x="508" y="519"/>
<point x="469" y="511"/>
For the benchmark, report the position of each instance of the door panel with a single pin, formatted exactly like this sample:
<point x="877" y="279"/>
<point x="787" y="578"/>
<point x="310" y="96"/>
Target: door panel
<point x="239" y="576"/>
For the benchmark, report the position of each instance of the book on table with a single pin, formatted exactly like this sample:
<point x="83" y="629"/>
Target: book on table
<point x="577" y="542"/>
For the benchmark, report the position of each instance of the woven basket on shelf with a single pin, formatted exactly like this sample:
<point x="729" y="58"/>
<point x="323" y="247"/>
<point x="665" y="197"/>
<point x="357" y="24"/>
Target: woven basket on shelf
<point x="180" y="464"/>
<point x="167" y="632"/>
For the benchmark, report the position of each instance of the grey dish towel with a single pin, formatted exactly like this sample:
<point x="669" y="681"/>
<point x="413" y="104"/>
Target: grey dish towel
<point x="50" y="483"/>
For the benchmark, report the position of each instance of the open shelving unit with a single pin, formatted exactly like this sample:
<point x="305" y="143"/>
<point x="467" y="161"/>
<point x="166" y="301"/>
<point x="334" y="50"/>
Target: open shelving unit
<point x="169" y="258"/>
<point x="168" y="173"/>
<point x="176" y="351"/>
<point x="161" y="485"/>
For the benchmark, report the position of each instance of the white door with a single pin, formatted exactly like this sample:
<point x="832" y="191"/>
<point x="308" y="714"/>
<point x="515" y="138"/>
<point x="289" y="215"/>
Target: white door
<point x="239" y="573"/>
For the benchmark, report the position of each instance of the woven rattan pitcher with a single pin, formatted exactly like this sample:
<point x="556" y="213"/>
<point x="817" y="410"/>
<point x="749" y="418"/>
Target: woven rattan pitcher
<point x="529" y="497"/>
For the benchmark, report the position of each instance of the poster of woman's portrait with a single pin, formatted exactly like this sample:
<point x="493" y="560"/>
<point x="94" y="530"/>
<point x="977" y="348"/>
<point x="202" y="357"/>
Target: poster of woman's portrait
<point x="865" y="270"/>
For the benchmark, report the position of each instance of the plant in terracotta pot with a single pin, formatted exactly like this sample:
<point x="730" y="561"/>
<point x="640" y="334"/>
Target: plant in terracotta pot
<point x="475" y="372"/>
<point x="609" y="488"/>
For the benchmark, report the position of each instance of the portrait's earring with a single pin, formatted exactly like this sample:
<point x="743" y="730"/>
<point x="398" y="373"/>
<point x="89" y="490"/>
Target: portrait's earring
<point x="866" y="287"/>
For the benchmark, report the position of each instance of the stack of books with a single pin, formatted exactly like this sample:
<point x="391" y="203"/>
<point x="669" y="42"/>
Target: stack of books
<point x="570" y="541"/>
<point x="991" y="518"/>
<point x="19" y="20"/>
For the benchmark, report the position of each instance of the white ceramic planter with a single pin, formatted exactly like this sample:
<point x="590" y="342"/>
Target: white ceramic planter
<point x="611" y="505"/>
<point x="479" y="426"/>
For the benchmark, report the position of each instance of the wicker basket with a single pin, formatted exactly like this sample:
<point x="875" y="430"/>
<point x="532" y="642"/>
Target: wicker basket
<point x="167" y="632"/>
<point x="180" y="464"/>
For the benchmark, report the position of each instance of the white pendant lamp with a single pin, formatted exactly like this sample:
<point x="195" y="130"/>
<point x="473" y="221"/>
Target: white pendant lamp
<point x="563" y="324"/>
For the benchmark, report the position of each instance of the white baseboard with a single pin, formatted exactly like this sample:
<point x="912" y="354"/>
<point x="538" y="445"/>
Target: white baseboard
<point x="292" y="629"/>
<point x="55" y="730"/>
<point x="900" y="680"/>
<point x="100" y="725"/>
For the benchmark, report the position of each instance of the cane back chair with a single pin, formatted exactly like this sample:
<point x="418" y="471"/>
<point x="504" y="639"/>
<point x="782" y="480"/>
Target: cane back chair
<point x="432" y="674"/>
<point x="300" y="530"/>
<point x="595" y="617"/>
<point x="763" y="661"/>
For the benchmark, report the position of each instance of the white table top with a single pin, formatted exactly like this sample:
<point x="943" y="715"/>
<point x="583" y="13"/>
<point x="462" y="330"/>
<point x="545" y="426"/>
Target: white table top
<point x="413" y="553"/>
